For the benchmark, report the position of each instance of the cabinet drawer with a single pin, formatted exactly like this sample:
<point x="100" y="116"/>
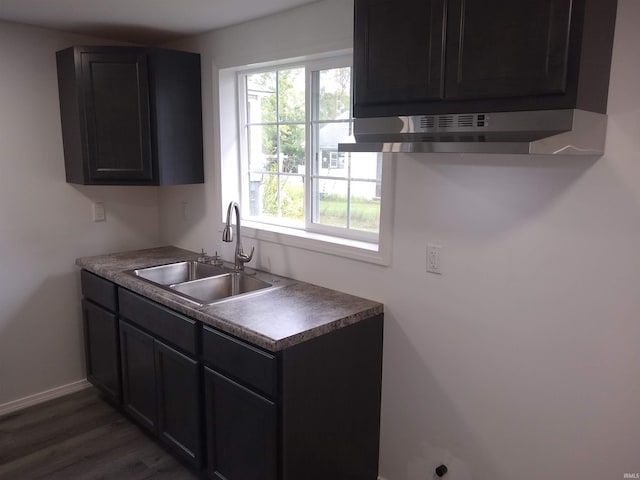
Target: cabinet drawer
<point x="167" y="324"/>
<point x="99" y="290"/>
<point x="240" y="360"/>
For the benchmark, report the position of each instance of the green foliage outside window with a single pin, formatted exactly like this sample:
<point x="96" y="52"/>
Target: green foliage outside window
<point x="290" y="105"/>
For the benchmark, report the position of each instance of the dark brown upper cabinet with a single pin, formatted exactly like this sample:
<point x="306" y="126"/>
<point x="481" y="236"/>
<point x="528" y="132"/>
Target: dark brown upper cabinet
<point x="130" y="116"/>
<point x="414" y="57"/>
<point x="385" y="64"/>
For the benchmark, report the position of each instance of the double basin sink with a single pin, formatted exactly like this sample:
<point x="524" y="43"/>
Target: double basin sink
<point x="207" y="284"/>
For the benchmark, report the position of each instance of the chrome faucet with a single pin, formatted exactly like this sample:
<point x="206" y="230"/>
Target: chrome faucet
<point x="227" y="236"/>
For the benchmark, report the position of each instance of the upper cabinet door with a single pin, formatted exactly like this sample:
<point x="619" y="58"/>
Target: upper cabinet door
<point x="506" y="48"/>
<point x="116" y="96"/>
<point x="399" y="51"/>
<point x="130" y="115"/>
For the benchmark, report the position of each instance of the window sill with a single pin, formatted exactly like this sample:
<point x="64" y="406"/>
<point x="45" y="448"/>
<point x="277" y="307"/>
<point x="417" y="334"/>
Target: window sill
<point x="316" y="242"/>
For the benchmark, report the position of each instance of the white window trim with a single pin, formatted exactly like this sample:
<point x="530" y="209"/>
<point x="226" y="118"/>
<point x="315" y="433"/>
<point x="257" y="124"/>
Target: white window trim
<point x="310" y="226"/>
<point x="321" y="239"/>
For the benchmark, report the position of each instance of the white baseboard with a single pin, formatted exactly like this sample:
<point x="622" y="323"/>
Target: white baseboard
<point x="36" y="398"/>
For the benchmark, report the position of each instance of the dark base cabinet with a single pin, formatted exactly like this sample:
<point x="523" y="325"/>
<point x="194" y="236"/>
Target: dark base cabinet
<point x="179" y="393"/>
<point x="161" y="391"/>
<point x="318" y="416"/>
<point x="241" y="431"/>
<point x="101" y="340"/>
<point x="101" y="349"/>
<point x="138" y="375"/>
<point x="331" y="389"/>
<point x="232" y="410"/>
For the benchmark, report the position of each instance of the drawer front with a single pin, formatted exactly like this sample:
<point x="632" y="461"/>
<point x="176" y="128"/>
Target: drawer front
<point x="176" y="329"/>
<point x="240" y="360"/>
<point x="99" y="290"/>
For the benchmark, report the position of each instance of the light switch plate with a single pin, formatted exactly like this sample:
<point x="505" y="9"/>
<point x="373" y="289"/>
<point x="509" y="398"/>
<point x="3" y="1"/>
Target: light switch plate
<point x="99" y="213"/>
<point x="434" y="258"/>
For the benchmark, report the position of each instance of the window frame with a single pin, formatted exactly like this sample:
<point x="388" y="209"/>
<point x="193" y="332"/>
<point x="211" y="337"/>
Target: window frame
<point x="311" y="120"/>
<point x="243" y="139"/>
<point x="356" y="244"/>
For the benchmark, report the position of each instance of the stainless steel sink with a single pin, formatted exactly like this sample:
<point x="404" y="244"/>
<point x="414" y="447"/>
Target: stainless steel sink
<point x="213" y="289"/>
<point x="179" y="272"/>
<point x="207" y="284"/>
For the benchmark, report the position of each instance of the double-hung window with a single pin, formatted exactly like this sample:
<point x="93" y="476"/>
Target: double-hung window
<point x="292" y="118"/>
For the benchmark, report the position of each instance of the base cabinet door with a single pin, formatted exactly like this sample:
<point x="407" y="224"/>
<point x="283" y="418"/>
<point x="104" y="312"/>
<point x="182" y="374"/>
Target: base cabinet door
<point x="178" y="394"/>
<point x="138" y="375"/>
<point x="101" y="349"/>
<point x="241" y="431"/>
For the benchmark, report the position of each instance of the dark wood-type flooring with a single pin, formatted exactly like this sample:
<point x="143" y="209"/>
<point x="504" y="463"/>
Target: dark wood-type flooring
<point x="79" y="436"/>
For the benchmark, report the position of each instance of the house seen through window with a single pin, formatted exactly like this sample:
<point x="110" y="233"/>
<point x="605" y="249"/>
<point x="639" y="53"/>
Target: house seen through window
<point x="292" y="119"/>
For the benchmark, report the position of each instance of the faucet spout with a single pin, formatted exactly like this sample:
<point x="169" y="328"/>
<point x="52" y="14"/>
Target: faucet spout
<point x="227" y="236"/>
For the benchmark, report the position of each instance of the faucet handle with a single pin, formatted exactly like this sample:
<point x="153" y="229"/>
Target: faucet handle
<point x="216" y="260"/>
<point x="203" y="257"/>
<point x="244" y="258"/>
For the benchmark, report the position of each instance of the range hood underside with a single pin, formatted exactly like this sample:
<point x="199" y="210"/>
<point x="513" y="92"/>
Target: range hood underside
<point x="545" y="132"/>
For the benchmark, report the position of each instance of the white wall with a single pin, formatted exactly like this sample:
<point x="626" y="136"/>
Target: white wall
<point x="316" y="28"/>
<point x="45" y="223"/>
<point x="522" y="360"/>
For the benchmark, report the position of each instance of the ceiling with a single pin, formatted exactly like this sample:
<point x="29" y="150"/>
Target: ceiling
<point x="140" y="21"/>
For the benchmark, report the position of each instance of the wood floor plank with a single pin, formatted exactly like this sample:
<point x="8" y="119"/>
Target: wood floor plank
<point x="29" y="432"/>
<point x="81" y="437"/>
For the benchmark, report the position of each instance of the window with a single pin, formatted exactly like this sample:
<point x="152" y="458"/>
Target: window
<point x="292" y="118"/>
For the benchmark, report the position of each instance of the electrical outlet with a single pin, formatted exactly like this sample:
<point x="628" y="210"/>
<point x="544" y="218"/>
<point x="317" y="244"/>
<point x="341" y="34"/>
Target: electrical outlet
<point x="434" y="258"/>
<point x="99" y="213"/>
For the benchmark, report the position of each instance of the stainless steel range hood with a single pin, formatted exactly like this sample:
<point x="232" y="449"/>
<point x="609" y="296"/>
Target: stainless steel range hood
<point x="542" y="132"/>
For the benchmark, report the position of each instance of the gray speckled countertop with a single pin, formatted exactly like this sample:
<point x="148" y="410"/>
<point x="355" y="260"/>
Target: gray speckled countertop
<point x="274" y="320"/>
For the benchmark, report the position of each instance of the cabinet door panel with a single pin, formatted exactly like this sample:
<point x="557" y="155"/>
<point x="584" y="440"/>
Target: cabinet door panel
<point x="116" y="95"/>
<point x="502" y="48"/>
<point x="101" y="349"/>
<point x="179" y="402"/>
<point x="241" y="431"/>
<point x="399" y="51"/>
<point x="138" y="375"/>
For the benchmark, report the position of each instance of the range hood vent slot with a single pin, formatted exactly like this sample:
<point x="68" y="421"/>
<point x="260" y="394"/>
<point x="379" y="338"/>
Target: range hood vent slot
<point x="465" y="120"/>
<point x="543" y="132"/>
<point x="445" y="121"/>
<point x="427" y="122"/>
